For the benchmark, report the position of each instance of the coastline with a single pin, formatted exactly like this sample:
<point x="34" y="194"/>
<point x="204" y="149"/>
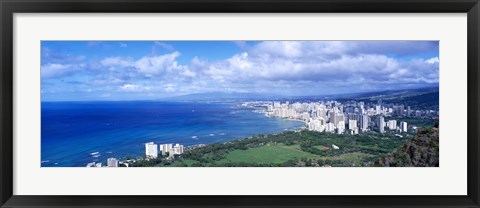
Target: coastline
<point x="195" y="146"/>
<point x="132" y="147"/>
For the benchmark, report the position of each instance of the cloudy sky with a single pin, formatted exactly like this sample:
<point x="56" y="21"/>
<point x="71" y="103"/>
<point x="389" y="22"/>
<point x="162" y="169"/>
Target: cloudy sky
<point x="146" y="70"/>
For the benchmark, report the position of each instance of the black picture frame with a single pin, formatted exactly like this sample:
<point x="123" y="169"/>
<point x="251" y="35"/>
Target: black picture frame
<point x="10" y="7"/>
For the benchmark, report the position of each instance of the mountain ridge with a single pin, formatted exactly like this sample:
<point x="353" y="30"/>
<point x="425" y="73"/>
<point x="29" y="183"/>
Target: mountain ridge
<point x="364" y="96"/>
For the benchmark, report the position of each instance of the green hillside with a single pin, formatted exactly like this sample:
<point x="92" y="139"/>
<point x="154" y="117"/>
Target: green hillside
<point x="420" y="151"/>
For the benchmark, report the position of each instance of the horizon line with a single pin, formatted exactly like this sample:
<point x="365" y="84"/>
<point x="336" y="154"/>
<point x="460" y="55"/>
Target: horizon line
<point x="172" y="98"/>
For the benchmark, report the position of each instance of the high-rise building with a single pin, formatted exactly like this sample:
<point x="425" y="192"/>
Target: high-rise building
<point x="284" y="113"/>
<point x="276" y="104"/>
<point x="392" y="124"/>
<point x="399" y="110"/>
<point x="177" y="149"/>
<point x="321" y="113"/>
<point x="112" y="162"/>
<point x="339" y="117"/>
<point x="418" y="113"/>
<point x="341" y="127"/>
<point x="330" y="127"/>
<point x="352" y="124"/>
<point x="269" y="108"/>
<point x="354" y="131"/>
<point x="164" y="148"/>
<point x="172" y="150"/>
<point x="403" y="126"/>
<point x="151" y="150"/>
<point x="364" y="122"/>
<point x="331" y="116"/>
<point x="381" y="124"/>
<point x="305" y="116"/>
<point x="317" y="124"/>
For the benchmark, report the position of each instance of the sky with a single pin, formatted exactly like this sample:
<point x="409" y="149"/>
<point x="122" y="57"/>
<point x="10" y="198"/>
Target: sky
<point x="152" y="70"/>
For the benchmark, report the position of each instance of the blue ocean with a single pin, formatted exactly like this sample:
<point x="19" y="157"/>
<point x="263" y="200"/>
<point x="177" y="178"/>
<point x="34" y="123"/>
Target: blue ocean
<point x="76" y="133"/>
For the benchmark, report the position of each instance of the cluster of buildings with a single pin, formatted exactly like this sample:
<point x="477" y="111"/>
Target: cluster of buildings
<point x="152" y="150"/>
<point x="391" y="125"/>
<point x="111" y="162"/>
<point x="351" y="117"/>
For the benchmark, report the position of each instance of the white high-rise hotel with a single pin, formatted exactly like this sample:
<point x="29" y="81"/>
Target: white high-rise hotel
<point x="352" y="124"/>
<point x="177" y="149"/>
<point x="364" y="122"/>
<point x="381" y="124"/>
<point x="151" y="150"/>
<point x="164" y="148"/>
<point x="392" y="124"/>
<point x="172" y="150"/>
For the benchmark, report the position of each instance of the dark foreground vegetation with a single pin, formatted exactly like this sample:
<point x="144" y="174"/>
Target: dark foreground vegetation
<point x="420" y="151"/>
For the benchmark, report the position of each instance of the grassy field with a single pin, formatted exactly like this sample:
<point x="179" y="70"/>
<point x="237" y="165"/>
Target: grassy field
<point x="267" y="155"/>
<point x="282" y="153"/>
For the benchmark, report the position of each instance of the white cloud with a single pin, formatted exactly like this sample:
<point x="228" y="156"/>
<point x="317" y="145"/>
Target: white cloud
<point x="188" y="73"/>
<point x="272" y="67"/>
<point x="432" y="60"/>
<point x="56" y="70"/>
<point x="123" y="45"/>
<point x="157" y="64"/>
<point x="117" y="61"/>
<point x="329" y="64"/>
<point x="169" y="88"/>
<point x="134" y="88"/>
<point x="287" y="49"/>
<point x="147" y="65"/>
<point x="129" y="87"/>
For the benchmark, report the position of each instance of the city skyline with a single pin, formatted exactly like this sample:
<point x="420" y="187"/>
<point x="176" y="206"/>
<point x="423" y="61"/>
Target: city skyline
<point x="143" y="70"/>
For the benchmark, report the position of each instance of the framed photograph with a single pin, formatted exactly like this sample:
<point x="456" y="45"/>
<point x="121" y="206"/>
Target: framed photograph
<point x="239" y="104"/>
